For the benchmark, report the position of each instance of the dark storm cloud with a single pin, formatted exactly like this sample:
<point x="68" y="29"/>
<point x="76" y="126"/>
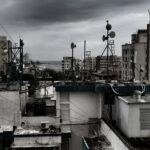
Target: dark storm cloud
<point x="50" y="11"/>
<point x="49" y="26"/>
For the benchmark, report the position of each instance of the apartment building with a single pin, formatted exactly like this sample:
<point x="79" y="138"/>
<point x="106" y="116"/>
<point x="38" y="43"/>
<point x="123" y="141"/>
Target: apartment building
<point x="90" y="63"/>
<point x="113" y="63"/>
<point x="66" y="64"/>
<point x="135" y="60"/>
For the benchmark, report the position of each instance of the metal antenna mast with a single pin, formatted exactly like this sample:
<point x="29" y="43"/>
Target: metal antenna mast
<point x="72" y="63"/>
<point x="84" y="52"/>
<point x="107" y="48"/>
<point x="17" y="56"/>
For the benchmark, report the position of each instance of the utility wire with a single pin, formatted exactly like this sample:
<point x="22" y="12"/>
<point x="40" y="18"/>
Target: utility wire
<point x="4" y="29"/>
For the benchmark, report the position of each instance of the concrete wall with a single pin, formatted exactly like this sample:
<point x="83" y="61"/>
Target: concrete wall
<point x="83" y="105"/>
<point x="122" y="115"/>
<point x="9" y="108"/>
<point x="23" y="97"/>
<point x="31" y="141"/>
<point x="65" y="107"/>
<point x="116" y="143"/>
<point x="76" y="108"/>
<point x="77" y="132"/>
<point x="143" y="37"/>
<point x="36" y="121"/>
<point x="140" y="50"/>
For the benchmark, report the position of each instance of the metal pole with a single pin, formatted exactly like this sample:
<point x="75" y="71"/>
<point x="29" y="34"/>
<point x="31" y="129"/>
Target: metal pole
<point x="83" y="72"/>
<point x="107" y="52"/>
<point x="72" y="63"/>
<point x="72" y="47"/>
<point x="84" y="52"/>
<point x="21" y="61"/>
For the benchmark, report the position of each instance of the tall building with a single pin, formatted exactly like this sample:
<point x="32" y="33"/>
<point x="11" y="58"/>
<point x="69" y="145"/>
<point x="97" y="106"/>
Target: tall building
<point x="135" y="58"/>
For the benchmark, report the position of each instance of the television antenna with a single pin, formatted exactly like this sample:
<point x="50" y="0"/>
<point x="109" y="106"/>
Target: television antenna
<point x="110" y="34"/>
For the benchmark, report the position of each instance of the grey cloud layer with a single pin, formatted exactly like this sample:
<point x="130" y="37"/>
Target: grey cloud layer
<point x="51" y="11"/>
<point x="49" y="26"/>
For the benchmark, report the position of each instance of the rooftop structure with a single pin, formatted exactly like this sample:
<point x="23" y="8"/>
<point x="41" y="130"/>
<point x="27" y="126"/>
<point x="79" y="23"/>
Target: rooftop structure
<point x="96" y="143"/>
<point x="135" y="108"/>
<point x="97" y="100"/>
<point x="37" y="138"/>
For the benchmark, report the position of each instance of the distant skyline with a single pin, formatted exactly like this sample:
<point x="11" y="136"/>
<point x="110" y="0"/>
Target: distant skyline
<point x="49" y="26"/>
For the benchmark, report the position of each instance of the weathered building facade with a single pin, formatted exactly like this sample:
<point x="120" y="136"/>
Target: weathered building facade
<point x="135" y="57"/>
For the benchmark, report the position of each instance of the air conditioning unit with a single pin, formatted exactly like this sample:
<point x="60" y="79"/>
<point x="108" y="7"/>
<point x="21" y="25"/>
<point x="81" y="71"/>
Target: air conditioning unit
<point x="44" y="125"/>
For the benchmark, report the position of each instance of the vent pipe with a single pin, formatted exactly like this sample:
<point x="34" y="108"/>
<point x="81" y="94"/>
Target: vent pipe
<point x="137" y="95"/>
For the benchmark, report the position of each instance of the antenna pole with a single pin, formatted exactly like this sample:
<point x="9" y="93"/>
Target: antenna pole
<point x="72" y="48"/>
<point x="107" y="53"/>
<point x="107" y="48"/>
<point x="84" y="52"/>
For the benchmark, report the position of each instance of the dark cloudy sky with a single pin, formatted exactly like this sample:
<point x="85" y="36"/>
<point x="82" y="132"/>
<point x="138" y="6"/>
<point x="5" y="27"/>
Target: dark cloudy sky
<point x="49" y="26"/>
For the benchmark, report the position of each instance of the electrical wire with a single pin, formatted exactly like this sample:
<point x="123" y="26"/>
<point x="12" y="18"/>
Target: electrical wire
<point x="4" y="29"/>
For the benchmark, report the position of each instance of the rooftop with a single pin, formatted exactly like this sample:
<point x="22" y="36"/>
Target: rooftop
<point x="133" y="100"/>
<point x="101" y="87"/>
<point x="97" y="143"/>
<point x="33" y="131"/>
<point x="6" y="128"/>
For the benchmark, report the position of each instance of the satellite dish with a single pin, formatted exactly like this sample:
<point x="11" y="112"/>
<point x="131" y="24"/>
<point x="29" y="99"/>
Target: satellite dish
<point x="108" y="26"/>
<point x="73" y="45"/>
<point x="112" y="34"/>
<point x="104" y="38"/>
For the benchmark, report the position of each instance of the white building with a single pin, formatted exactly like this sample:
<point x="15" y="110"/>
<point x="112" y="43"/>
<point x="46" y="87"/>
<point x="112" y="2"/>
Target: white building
<point x="90" y="63"/>
<point x="66" y="64"/>
<point x="127" y="57"/>
<point x="135" y="58"/>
